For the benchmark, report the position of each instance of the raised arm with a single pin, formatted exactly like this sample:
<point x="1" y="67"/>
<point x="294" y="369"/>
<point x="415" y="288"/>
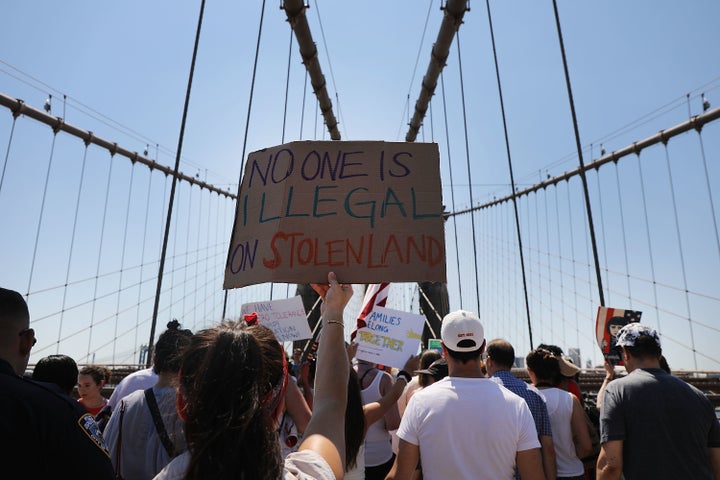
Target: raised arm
<point x="325" y="433"/>
<point x="376" y="410"/>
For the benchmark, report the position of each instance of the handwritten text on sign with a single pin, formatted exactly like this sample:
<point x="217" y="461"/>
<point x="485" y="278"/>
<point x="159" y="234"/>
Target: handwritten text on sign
<point x="390" y="337"/>
<point x="286" y="318"/>
<point x="370" y="211"/>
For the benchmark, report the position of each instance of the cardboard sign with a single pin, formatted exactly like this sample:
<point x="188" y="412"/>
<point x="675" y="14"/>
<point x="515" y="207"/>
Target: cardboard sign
<point x="369" y="211"/>
<point x="435" y="344"/>
<point x="607" y="325"/>
<point x="390" y="337"/>
<point x="286" y="318"/>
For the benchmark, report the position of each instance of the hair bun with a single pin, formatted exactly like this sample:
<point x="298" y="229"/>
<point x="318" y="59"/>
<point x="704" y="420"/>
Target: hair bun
<point x="173" y="324"/>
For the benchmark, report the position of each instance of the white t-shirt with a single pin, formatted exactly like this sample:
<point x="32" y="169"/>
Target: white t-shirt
<point x="468" y="428"/>
<point x="139" y="380"/>
<point x="560" y="406"/>
<point x="304" y="465"/>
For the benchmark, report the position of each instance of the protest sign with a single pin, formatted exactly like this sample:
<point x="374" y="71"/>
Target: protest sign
<point x="286" y="318"/>
<point x="369" y="211"/>
<point x="390" y="337"/>
<point x="607" y="325"/>
<point x="435" y="344"/>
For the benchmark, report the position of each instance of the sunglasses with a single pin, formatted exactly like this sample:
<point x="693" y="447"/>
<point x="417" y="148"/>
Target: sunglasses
<point x="26" y="330"/>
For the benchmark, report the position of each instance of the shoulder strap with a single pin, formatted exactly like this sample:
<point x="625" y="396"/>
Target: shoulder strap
<point x="159" y="425"/>
<point x="118" y="475"/>
<point x="365" y="375"/>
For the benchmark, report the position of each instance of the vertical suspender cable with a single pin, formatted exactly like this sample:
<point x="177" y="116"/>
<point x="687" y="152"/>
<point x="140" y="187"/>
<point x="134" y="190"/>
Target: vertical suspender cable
<point x="649" y="242"/>
<point x="42" y="210"/>
<point x="172" y="189"/>
<point x="247" y="123"/>
<point x="512" y="178"/>
<point x="452" y="187"/>
<point x="142" y="261"/>
<point x="72" y="243"/>
<point x="602" y="229"/>
<point x="591" y="226"/>
<point x="122" y="259"/>
<point x="680" y="251"/>
<point x="624" y="237"/>
<point x="99" y="258"/>
<point x="707" y="182"/>
<point x="7" y="151"/>
<point x="467" y="162"/>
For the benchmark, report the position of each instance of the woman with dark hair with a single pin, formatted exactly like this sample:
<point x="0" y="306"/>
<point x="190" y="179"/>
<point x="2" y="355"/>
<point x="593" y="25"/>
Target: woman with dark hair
<point x="570" y="435"/>
<point x="232" y="385"/>
<point x="91" y="380"/>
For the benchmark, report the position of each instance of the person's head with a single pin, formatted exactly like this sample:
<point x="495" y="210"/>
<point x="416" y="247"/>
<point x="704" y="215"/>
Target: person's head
<point x="554" y="349"/>
<point x="500" y="356"/>
<point x="640" y="345"/>
<point x="169" y="347"/>
<point x="543" y="367"/>
<point x="463" y="336"/>
<point x="435" y="372"/>
<point x="614" y="325"/>
<point x="354" y="421"/>
<point x="232" y="381"/>
<point x="91" y="380"/>
<point x="58" y="369"/>
<point x="16" y="336"/>
<point x="427" y="357"/>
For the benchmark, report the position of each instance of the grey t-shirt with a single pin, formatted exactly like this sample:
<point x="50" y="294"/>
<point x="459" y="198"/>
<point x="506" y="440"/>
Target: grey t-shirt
<point x="666" y="426"/>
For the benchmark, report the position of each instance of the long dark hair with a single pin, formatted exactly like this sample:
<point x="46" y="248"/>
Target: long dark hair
<point x="354" y="421"/>
<point x="226" y="375"/>
<point x="544" y="365"/>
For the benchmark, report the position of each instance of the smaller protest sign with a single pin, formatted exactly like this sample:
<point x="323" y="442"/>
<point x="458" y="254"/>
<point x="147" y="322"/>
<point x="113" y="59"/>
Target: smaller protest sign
<point x="286" y="318"/>
<point x="390" y="337"/>
<point x="435" y="344"/>
<point x="607" y="325"/>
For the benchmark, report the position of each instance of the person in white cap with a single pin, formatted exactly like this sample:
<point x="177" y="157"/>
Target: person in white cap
<point x="466" y="426"/>
<point x="652" y="424"/>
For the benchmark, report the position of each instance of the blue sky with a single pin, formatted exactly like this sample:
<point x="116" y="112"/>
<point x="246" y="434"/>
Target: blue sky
<point x="124" y="67"/>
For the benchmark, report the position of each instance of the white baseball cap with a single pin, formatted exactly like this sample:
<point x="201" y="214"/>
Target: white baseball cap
<point x="462" y="331"/>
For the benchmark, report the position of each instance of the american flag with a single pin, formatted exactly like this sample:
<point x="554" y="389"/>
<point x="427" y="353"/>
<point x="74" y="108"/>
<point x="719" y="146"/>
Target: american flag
<point x="375" y="296"/>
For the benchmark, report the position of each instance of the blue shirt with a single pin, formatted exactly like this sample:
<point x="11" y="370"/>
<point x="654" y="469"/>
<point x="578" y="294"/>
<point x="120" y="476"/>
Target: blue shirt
<point x="534" y="400"/>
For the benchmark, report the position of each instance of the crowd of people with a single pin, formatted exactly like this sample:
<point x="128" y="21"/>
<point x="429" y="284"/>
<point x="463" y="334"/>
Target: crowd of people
<point x="228" y="402"/>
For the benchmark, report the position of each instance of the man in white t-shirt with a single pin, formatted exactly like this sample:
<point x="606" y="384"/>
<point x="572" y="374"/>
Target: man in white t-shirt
<point x="466" y="426"/>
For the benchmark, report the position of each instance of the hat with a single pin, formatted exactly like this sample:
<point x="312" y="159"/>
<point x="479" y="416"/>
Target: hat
<point x="628" y="335"/>
<point x="462" y="331"/>
<point x="438" y="369"/>
<point x="567" y="367"/>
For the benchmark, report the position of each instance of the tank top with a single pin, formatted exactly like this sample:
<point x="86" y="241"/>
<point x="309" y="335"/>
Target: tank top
<point x="378" y="445"/>
<point x="560" y="405"/>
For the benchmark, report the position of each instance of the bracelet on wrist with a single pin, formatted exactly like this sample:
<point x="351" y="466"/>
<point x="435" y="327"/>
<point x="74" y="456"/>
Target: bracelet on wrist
<point x="405" y="375"/>
<point x="328" y="322"/>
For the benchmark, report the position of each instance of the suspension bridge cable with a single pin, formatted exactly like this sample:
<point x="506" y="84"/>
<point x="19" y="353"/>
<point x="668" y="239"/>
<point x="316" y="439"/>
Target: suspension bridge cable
<point x="452" y="186"/>
<point x="550" y="283"/>
<point x="510" y="169"/>
<point x="42" y="211"/>
<point x="247" y="120"/>
<point x="602" y="230"/>
<point x="72" y="244"/>
<point x="649" y="242"/>
<point x="122" y="256"/>
<point x="142" y="262"/>
<point x="572" y="256"/>
<point x="100" y="251"/>
<point x="287" y="88"/>
<point x="709" y="189"/>
<point x="467" y="162"/>
<point x="172" y="188"/>
<point x="7" y="151"/>
<point x="580" y="156"/>
<point x="680" y="252"/>
<point x="624" y="236"/>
